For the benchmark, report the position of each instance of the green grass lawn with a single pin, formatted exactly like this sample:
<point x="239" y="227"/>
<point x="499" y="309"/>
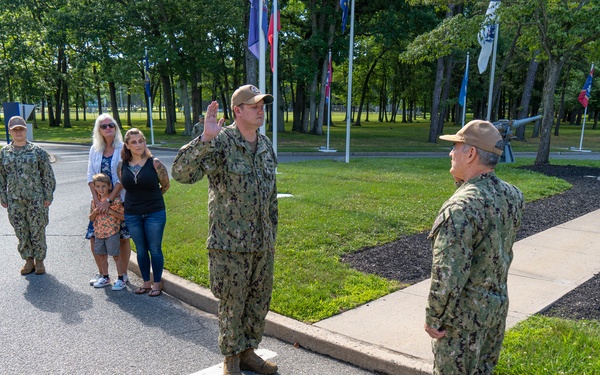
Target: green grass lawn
<point x="371" y="136"/>
<point x="542" y="346"/>
<point x="336" y="208"/>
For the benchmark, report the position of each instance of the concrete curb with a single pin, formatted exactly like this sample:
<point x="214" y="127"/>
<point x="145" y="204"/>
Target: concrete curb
<point x="359" y="353"/>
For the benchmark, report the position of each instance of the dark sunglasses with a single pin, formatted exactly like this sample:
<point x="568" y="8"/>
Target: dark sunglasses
<point x="104" y="126"/>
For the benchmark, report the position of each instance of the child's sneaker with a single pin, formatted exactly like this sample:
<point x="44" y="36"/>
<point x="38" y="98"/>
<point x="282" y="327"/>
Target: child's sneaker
<point x="125" y="278"/>
<point x="95" y="279"/>
<point x="102" y="282"/>
<point x="119" y="285"/>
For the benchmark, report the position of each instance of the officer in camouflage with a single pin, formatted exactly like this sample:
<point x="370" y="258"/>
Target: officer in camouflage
<point x="26" y="189"/>
<point x="242" y="200"/>
<point x="472" y="240"/>
<point x="198" y="128"/>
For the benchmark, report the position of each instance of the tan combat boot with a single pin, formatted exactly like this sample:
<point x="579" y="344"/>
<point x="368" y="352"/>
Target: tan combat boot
<point x="39" y="267"/>
<point x="28" y="267"/>
<point x="231" y="365"/>
<point x="251" y="361"/>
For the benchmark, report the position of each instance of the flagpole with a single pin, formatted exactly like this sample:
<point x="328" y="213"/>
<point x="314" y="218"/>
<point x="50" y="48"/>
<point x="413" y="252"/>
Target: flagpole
<point x="349" y="99"/>
<point x="464" y="109"/>
<point x="491" y="89"/>
<point x="584" y="117"/>
<point x="275" y="48"/>
<point x="261" y="60"/>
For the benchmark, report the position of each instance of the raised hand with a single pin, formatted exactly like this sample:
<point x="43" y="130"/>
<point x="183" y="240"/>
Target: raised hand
<point x="212" y="127"/>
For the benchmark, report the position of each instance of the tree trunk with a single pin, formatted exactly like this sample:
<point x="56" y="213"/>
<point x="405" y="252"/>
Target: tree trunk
<point x="437" y="90"/>
<point x="174" y="107"/>
<point x="196" y="95"/>
<point x="83" y="101"/>
<point x="43" y="110"/>
<point x="114" y="105"/>
<point x="129" y="106"/>
<point x="365" y="87"/>
<point x="298" y="106"/>
<point x="169" y="105"/>
<point x="65" y="99"/>
<point x="187" y="111"/>
<point x="280" y="109"/>
<point x="449" y="64"/>
<point x="313" y="128"/>
<point x="98" y="96"/>
<point x="527" y="91"/>
<point x="551" y="75"/>
<point x="561" y="108"/>
<point x="77" y="106"/>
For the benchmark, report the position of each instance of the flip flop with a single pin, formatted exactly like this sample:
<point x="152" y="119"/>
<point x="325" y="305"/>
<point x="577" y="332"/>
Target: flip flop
<point x="155" y="292"/>
<point x="142" y="290"/>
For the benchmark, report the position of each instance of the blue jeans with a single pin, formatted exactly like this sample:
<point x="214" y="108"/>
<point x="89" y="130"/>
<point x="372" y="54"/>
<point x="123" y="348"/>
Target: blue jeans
<point x="147" y="233"/>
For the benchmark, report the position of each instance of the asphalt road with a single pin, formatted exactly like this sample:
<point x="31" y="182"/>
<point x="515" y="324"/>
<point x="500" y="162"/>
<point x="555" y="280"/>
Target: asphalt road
<point x="57" y="324"/>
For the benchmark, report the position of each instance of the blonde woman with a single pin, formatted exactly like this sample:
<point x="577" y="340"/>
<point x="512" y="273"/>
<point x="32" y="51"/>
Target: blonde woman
<point x="104" y="157"/>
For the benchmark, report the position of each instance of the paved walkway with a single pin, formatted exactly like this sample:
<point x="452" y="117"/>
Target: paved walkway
<point x="387" y="334"/>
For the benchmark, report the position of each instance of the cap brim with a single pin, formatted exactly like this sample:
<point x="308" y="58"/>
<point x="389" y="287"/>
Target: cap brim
<point x="267" y="98"/>
<point x="452" y="138"/>
<point x="17" y="126"/>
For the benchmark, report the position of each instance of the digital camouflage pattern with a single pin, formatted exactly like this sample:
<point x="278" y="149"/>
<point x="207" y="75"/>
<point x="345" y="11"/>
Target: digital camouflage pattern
<point x="26" y="182"/>
<point x="243" y="283"/>
<point x="466" y="352"/>
<point x="243" y="217"/>
<point x="242" y="194"/>
<point x="472" y="240"/>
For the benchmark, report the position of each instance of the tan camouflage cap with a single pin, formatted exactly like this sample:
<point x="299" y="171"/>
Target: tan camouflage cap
<point x="249" y="94"/>
<point x="17" y="121"/>
<point x="480" y="134"/>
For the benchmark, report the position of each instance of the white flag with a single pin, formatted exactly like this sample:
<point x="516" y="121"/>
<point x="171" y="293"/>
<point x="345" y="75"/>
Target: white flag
<point x="486" y="35"/>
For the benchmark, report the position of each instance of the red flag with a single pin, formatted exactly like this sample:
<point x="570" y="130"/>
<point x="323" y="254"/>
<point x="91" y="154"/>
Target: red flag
<point x="270" y="33"/>
<point x="584" y="95"/>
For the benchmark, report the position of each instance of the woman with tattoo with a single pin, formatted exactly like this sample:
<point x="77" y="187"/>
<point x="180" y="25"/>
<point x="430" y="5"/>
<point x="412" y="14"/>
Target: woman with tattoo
<point x="145" y="179"/>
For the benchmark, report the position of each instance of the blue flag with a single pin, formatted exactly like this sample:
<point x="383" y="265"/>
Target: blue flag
<point x="462" y="96"/>
<point x="253" y="33"/>
<point x="344" y="6"/>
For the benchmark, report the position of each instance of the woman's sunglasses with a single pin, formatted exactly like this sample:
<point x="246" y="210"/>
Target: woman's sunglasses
<point x="104" y="126"/>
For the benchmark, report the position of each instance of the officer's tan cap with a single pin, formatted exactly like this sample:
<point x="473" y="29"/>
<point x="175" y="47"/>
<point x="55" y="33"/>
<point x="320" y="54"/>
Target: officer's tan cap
<point x="480" y="134"/>
<point x="17" y="121"/>
<point x="249" y="94"/>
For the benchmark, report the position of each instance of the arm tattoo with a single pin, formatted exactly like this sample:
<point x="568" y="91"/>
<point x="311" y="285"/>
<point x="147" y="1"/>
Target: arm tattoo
<point x="163" y="175"/>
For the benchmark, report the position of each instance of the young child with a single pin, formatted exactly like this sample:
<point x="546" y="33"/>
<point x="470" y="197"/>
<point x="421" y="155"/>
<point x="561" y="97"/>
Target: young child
<point x="106" y="231"/>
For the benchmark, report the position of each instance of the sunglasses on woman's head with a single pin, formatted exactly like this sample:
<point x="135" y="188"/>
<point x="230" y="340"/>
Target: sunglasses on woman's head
<point x="104" y="126"/>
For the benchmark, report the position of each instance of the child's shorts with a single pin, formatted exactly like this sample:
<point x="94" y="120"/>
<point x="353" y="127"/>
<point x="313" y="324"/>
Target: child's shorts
<point x="109" y="246"/>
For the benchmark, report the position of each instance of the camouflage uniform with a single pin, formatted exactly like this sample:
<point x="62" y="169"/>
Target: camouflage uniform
<point x="198" y="129"/>
<point x="472" y="241"/>
<point x="242" y="204"/>
<point x="26" y="182"/>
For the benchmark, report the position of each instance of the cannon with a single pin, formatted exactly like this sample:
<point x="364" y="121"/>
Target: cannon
<point x="506" y="129"/>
